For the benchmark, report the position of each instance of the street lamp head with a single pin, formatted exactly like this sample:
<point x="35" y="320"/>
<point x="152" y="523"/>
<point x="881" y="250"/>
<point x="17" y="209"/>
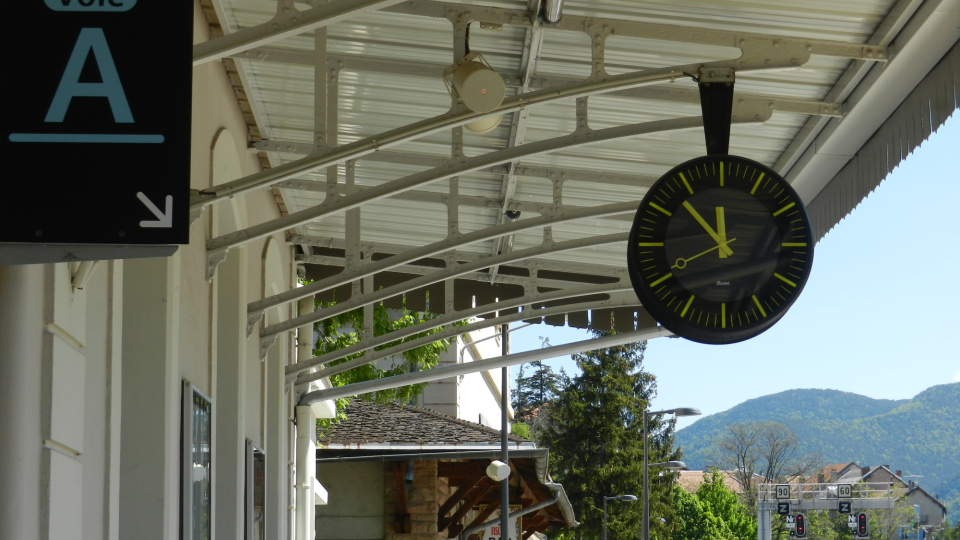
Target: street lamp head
<point x="630" y="498"/>
<point x="679" y="411"/>
<point x="670" y="465"/>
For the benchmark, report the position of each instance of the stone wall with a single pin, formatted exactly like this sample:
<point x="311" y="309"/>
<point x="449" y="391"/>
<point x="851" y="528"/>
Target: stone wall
<point x="423" y="501"/>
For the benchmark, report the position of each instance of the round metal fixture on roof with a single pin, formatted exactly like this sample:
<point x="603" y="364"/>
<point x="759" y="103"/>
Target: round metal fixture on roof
<point x="479" y="87"/>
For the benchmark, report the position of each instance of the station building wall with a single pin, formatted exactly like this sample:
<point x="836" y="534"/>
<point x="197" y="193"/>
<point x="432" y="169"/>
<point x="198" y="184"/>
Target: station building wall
<point x="91" y="379"/>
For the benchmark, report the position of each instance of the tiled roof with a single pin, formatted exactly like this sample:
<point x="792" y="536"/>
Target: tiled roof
<point x="369" y="422"/>
<point x="690" y="481"/>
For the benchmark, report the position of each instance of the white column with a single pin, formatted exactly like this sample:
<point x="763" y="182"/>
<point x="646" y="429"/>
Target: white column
<point x="306" y="473"/>
<point x="230" y="405"/>
<point x="21" y="342"/>
<point x="150" y="424"/>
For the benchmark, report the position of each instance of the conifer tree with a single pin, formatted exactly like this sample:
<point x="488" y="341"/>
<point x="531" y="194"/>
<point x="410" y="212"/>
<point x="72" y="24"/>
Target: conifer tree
<point x="596" y="443"/>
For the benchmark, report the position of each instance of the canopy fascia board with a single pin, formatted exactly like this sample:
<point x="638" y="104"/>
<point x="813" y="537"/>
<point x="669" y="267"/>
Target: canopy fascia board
<point x="924" y="40"/>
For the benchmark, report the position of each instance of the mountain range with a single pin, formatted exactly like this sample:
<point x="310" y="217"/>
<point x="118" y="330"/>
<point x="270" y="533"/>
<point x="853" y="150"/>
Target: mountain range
<point x="920" y="436"/>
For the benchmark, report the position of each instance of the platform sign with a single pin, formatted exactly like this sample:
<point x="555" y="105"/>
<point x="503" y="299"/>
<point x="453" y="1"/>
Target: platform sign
<point x="844" y="507"/>
<point x="783" y="491"/>
<point x="95" y="131"/>
<point x="844" y="491"/>
<point x="493" y="532"/>
<point x="783" y="508"/>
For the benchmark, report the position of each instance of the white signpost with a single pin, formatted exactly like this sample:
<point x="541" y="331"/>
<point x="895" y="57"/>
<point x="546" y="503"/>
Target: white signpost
<point x="844" y="491"/>
<point x="783" y="491"/>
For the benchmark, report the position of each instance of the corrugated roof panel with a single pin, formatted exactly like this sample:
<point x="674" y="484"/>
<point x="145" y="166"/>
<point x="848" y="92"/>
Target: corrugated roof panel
<point x="373" y="102"/>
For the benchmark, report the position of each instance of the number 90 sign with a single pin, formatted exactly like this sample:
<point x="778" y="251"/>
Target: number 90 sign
<point x="783" y="491"/>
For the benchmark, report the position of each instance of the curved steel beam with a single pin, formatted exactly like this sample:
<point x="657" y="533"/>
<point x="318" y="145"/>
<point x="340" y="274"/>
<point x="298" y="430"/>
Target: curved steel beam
<point x="457" y="116"/>
<point x="454" y="331"/>
<point x="254" y="309"/>
<point x="446" y="372"/>
<point x="537" y="298"/>
<point x="289" y="22"/>
<point x="442" y="275"/>
<point x="455" y="168"/>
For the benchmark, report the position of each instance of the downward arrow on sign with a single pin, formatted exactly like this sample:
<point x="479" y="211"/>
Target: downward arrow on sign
<point x="164" y="219"/>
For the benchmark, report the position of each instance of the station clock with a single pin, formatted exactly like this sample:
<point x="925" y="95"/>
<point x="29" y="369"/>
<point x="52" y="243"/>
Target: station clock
<point x="720" y="248"/>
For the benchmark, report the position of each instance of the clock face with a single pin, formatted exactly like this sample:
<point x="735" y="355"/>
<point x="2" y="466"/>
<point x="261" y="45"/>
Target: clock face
<point x="721" y="246"/>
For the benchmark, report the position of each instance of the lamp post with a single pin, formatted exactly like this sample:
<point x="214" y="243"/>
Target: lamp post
<point x="672" y="465"/>
<point x="917" y="508"/>
<point x="630" y="498"/>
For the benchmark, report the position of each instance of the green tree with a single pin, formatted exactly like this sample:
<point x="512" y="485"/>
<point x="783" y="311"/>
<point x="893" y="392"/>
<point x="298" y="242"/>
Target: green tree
<point x="948" y="532"/>
<point x="346" y="329"/>
<point x="594" y="435"/>
<point x="726" y="506"/>
<point x="693" y="520"/>
<point x="540" y="388"/>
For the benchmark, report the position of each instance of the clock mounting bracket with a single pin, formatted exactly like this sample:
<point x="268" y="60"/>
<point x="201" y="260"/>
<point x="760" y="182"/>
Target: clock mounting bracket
<point x="716" y="104"/>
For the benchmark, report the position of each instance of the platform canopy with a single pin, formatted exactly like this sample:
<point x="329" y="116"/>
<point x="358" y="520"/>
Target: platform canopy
<point x="388" y="197"/>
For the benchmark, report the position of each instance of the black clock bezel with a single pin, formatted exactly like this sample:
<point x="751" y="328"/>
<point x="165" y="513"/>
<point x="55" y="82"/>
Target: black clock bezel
<point x="667" y="317"/>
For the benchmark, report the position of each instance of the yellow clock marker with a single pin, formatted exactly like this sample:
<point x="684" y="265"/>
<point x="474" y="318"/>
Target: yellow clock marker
<point x="686" y="307"/>
<point x="794" y="244"/>
<point x="661" y="280"/>
<point x="650" y="244"/>
<point x="785" y="280"/>
<point x="755" y="186"/>
<point x="721" y="174"/>
<point x="784" y="209"/>
<point x="684" y="178"/>
<point x="723" y="315"/>
<point x="660" y="209"/>
<point x="757" y="302"/>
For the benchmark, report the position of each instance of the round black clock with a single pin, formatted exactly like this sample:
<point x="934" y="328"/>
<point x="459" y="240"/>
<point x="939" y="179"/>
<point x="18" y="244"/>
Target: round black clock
<point x="721" y="247"/>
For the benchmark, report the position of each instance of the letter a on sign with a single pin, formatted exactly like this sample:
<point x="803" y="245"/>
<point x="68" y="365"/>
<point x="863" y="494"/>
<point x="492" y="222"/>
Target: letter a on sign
<point x="70" y="85"/>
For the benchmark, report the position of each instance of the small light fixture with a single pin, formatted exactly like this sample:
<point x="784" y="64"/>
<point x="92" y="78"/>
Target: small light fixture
<point x="498" y="470"/>
<point x="479" y="87"/>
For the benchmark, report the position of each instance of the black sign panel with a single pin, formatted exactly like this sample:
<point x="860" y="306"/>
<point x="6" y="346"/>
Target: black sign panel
<point x="844" y="507"/>
<point x="95" y="132"/>
<point x="783" y="508"/>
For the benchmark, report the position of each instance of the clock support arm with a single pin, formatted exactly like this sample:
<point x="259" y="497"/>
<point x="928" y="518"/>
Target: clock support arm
<point x="716" y="104"/>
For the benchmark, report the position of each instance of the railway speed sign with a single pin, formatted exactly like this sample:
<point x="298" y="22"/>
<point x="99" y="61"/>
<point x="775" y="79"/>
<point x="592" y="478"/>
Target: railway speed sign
<point x="783" y="491"/>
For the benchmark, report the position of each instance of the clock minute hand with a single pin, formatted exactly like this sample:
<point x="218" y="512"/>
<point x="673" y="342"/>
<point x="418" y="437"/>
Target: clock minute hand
<point x="682" y="263"/>
<point x="706" y="226"/>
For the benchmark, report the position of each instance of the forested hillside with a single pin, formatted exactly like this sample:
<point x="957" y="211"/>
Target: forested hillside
<point x="920" y="436"/>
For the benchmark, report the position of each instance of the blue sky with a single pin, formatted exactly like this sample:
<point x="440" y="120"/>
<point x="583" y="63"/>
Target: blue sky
<point x="879" y="315"/>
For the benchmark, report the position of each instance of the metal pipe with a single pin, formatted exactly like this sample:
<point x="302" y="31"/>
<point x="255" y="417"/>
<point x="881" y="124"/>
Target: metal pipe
<point x="482" y="365"/>
<point x="507" y="325"/>
<point x="454" y="118"/>
<point x="465" y="314"/>
<point x="335" y="205"/>
<point x="282" y="27"/>
<point x="513" y="515"/>
<point x="645" y="525"/>
<point x="442" y="275"/>
<point x="448" y="332"/>
<point x="504" y="433"/>
<point x="552" y="11"/>
<point x="428" y="456"/>
<point x="348" y="276"/>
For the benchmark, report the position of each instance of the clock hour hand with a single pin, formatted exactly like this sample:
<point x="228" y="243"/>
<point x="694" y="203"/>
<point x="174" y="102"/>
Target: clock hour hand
<point x="722" y="231"/>
<point x="706" y="226"/>
<point x="682" y="263"/>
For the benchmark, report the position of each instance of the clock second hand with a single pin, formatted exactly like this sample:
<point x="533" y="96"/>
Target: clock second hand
<point x="685" y="261"/>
